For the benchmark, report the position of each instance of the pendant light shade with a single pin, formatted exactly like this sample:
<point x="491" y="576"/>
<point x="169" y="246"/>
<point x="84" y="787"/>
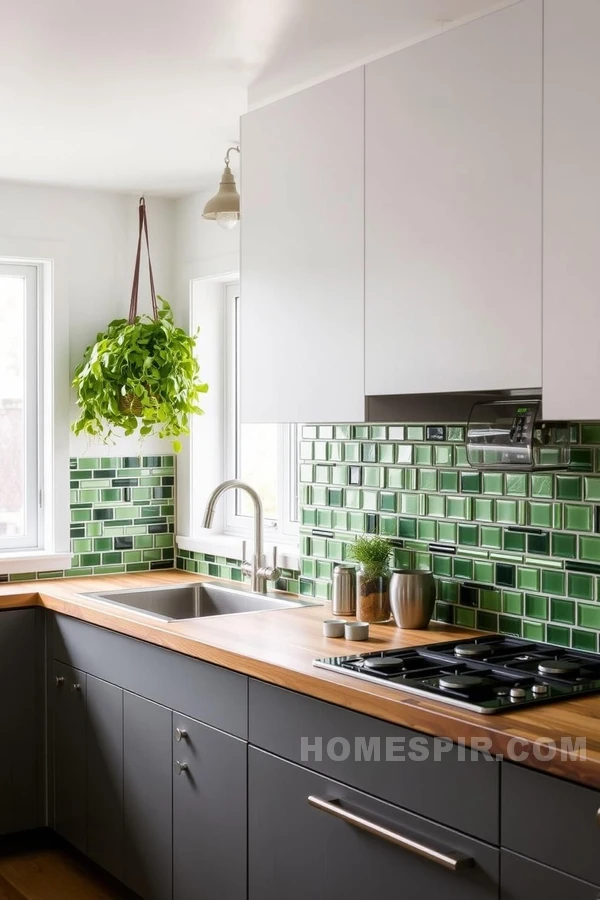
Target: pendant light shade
<point x="224" y="207"/>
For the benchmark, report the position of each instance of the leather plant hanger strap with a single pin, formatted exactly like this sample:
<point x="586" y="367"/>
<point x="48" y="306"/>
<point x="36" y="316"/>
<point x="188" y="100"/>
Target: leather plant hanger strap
<point x="143" y="229"/>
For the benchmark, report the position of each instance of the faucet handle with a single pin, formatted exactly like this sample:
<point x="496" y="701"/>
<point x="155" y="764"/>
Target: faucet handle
<point x="246" y="566"/>
<point x="271" y="573"/>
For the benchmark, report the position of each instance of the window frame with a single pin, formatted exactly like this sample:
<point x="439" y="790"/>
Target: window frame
<point x="33" y="406"/>
<point x="285" y="527"/>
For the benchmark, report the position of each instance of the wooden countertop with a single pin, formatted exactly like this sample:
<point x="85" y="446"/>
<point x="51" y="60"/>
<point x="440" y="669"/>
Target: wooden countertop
<point x="279" y="647"/>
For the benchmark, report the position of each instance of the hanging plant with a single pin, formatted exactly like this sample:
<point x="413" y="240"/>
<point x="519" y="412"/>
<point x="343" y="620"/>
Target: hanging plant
<point x="140" y="373"/>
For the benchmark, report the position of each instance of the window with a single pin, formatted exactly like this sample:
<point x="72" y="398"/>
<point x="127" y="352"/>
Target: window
<point x="20" y="407"/>
<point x="264" y="456"/>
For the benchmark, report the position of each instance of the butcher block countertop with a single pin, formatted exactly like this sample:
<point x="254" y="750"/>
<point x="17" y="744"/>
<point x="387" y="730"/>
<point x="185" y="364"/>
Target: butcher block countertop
<point x="278" y="646"/>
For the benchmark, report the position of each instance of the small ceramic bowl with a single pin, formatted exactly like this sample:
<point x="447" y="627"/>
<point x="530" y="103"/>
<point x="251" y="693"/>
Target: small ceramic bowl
<point x="334" y="628"/>
<point x="356" y="631"/>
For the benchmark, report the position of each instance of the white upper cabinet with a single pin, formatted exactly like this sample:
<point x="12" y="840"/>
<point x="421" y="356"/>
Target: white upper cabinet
<point x="453" y="207"/>
<point x="302" y="256"/>
<point x="571" y="378"/>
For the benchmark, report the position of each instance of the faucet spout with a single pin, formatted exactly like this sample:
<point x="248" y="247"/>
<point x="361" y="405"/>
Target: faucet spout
<point x="258" y="580"/>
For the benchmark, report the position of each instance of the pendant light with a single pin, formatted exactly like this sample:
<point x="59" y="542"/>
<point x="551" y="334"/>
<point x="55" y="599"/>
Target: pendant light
<point x="225" y="205"/>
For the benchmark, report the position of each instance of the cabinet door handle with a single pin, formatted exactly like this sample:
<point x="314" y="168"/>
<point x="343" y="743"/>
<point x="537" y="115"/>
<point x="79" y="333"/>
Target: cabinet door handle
<point x="59" y="680"/>
<point x="180" y="767"/>
<point x="180" y="734"/>
<point x="598" y="823"/>
<point x="76" y="686"/>
<point x="452" y="861"/>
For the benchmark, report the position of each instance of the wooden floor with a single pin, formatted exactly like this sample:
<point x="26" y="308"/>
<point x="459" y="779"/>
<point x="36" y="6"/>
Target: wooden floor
<point x="40" y="868"/>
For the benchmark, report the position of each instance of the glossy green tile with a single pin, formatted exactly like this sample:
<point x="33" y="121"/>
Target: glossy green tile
<point x="487" y="621"/>
<point x="464" y="618"/>
<point x="428" y="479"/>
<point x="340" y="475"/>
<point x="435" y="506"/>
<point x="458" y="507"/>
<point x="410" y="479"/>
<point x="395" y="478"/>
<point x="423" y="455"/>
<point x="320" y="495"/>
<point x="386" y="453"/>
<point x="542" y="485"/>
<point x="591" y="488"/>
<point x="589" y="548"/>
<point x="483" y="509"/>
<point x="557" y="634"/>
<point x="320" y="450"/>
<point x="517" y="484"/>
<point x="370" y="501"/>
<point x="562" y="611"/>
<point x="493" y="483"/>
<point x="538" y="544"/>
<point x="342" y="432"/>
<point x="506" y="512"/>
<point x="325" y="518"/>
<point x="506" y="575"/>
<point x="490" y="600"/>
<point x="536" y="606"/>
<point x="455" y="433"/>
<point x="415" y="433"/>
<point x="515" y="541"/>
<point x="410" y="504"/>
<point x="534" y="631"/>
<point x="460" y="457"/>
<point x="449" y="591"/>
<point x="442" y="565"/>
<point x="578" y="517"/>
<point x="568" y="487"/>
<point x="564" y="545"/>
<point x="528" y="579"/>
<point x="326" y="432"/>
<point x="443" y="455"/>
<point x="590" y="433"/>
<point x="512" y="603"/>
<point x="396" y="432"/>
<point x="588" y="616"/>
<point x="360" y="432"/>
<point x="463" y="568"/>
<point x="447" y="532"/>
<point x="352" y="452"/>
<point x="378" y="432"/>
<point x="483" y="572"/>
<point x="553" y="582"/>
<point x="582" y="459"/>
<point x="388" y="525"/>
<point x="427" y="530"/>
<point x="540" y="514"/>
<point x="490" y="536"/>
<point x="352" y="498"/>
<point x="584" y="640"/>
<point x="372" y="476"/>
<point x="335" y="496"/>
<point x="580" y="586"/>
<point x="470" y="482"/>
<point x="388" y="501"/>
<point x="356" y="520"/>
<point x="448" y="482"/>
<point x="511" y="626"/>
<point x="468" y="535"/>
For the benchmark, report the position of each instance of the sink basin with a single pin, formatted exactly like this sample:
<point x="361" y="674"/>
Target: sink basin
<point x="193" y="601"/>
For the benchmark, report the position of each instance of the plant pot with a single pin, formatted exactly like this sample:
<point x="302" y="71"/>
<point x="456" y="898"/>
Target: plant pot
<point x="131" y="405"/>
<point x="373" y="595"/>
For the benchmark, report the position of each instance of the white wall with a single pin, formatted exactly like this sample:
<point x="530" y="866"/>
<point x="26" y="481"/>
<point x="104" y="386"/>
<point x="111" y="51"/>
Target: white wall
<point x="99" y="233"/>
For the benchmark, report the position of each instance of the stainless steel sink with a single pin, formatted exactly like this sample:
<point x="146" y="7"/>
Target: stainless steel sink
<point x="193" y="601"/>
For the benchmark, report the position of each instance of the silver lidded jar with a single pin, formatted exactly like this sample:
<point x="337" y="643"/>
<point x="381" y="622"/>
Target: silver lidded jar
<point x="343" y="596"/>
<point x="412" y="597"/>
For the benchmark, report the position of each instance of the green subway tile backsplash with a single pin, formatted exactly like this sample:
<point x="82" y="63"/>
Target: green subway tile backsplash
<point x="524" y="546"/>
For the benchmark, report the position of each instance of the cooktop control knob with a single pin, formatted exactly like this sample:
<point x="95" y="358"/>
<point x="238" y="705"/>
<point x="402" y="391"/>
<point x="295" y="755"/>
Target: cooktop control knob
<point x="517" y="693"/>
<point x="540" y="689"/>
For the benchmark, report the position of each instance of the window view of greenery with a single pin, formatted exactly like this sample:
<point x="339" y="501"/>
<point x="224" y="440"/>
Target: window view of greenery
<point x="258" y="463"/>
<point x="12" y="387"/>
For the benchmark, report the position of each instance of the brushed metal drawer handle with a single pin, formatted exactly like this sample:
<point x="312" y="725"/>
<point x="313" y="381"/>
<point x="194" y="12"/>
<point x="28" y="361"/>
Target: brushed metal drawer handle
<point x="452" y="861"/>
<point x="180" y="767"/>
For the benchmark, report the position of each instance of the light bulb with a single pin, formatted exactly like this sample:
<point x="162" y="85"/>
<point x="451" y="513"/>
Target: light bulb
<point x="227" y="220"/>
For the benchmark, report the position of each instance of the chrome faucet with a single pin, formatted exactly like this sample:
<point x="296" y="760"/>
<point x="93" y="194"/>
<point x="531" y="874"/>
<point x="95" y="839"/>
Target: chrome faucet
<point x="259" y="573"/>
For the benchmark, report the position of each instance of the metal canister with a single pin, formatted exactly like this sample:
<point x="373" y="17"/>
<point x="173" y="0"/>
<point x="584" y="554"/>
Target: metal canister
<point x="412" y="598"/>
<point x="343" y="598"/>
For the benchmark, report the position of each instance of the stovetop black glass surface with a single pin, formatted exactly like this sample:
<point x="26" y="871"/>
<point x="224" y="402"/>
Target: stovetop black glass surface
<point x="486" y="674"/>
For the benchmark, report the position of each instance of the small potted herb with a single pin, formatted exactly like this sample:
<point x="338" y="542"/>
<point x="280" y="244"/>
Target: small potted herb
<point x="372" y="578"/>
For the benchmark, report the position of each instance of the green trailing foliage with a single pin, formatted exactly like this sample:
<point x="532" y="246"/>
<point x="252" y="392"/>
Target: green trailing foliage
<point x="373" y="553"/>
<point x="149" y="366"/>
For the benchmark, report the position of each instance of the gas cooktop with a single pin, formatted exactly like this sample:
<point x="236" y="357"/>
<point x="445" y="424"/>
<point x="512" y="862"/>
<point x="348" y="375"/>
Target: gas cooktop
<point x="485" y="674"/>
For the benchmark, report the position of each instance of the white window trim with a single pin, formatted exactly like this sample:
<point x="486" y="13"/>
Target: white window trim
<point x="51" y="259"/>
<point x="198" y="474"/>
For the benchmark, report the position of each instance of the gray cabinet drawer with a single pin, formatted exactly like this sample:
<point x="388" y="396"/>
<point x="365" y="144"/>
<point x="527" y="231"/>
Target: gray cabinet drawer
<point x="198" y="689"/>
<point x="552" y="821"/>
<point x="297" y="850"/>
<point x="522" y="879"/>
<point x="442" y="781"/>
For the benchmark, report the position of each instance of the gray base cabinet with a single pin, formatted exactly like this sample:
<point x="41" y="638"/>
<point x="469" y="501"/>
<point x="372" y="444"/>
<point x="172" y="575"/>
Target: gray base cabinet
<point x="147" y="798"/>
<point x="298" y="851"/>
<point x="20" y="723"/>
<point x="523" y="879"/>
<point x="209" y="812"/>
<point x="70" y="765"/>
<point x="104" y="751"/>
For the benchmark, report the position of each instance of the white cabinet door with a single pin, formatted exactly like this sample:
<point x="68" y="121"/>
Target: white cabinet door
<point x="571" y="378"/>
<point x="302" y="256"/>
<point x="453" y="209"/>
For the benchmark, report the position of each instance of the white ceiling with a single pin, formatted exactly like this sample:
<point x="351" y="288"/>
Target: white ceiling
<point x="145" y="95"/>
